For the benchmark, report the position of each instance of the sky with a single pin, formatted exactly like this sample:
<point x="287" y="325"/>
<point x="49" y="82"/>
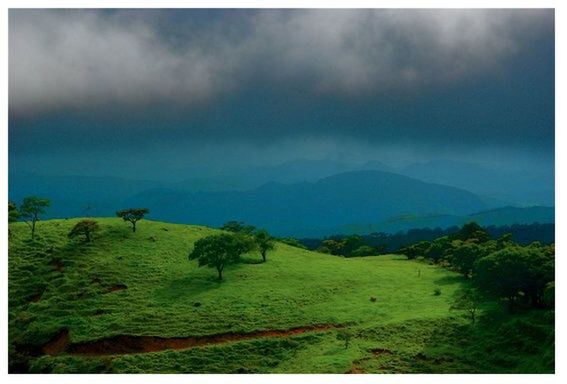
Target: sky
<point x="168" y="94"/>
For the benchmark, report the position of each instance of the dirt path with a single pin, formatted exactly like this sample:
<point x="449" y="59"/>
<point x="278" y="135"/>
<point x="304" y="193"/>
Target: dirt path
<point x="126" y="344"/>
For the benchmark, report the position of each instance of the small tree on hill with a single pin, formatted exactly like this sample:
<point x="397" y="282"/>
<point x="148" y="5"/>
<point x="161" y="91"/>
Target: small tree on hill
<point x="84" y="228"/>
<point x="13" y="214"/>
<point x="344" y="335"/>
<point x="30" y="210"/>
<point x="468" y="302"/>
<point x="218" y="251"/>
<point x="334" y="247"/>
<point x="133" y="215"/>
<point x="264" y="242"/>
<point x="364" y="250"/>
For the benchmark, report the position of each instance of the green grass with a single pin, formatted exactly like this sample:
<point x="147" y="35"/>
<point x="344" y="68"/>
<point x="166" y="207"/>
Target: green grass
<point x="295" y="288"/>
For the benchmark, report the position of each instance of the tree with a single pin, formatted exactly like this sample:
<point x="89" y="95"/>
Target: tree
<point x="265" y="242"/>
<point x="472" y="231"/>
<point x="350" y="243"/>
<point x="218" y="251"/>
<point x="238" y="227"/>
<point x="30" y="210"/>
<point x="415" y="250"/>
<point x="464" y="254"/>
<point x="85" y="228"/>
<point x="468" y="302"/>
<point x="13" y="214"/>
<point x="345" y="335"/>
<point x="516" y="272"/>
<point x="334" y="247"/>
<point x="438" y="248"/>
<point x="133" y="215"/>
<point x="364" y="250"/>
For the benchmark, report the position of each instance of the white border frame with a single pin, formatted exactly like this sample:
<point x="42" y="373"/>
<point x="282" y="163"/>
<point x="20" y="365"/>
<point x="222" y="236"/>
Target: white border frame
<point x="560" y="161"/>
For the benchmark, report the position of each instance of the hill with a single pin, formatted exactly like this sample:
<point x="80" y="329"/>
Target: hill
<point x="519" y="187"/>
<point x="132" y="302"/>
<point x="300" y="208"/>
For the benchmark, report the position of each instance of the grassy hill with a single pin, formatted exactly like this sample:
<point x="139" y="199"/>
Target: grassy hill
<point x="132" y="302"/>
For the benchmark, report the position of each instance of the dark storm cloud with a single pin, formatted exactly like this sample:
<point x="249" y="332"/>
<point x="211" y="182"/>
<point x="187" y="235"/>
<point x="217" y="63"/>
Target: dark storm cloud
<point x="80" y="59"/>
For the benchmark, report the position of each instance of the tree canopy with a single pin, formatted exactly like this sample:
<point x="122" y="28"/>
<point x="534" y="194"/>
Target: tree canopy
<point x="13" y="213"/>
<point x="31" y="209"/>
<point x="84" y="228"/>
<point x="133" y="215"/>
<point x="264" y="242"/>
<point x="218" y="251"/>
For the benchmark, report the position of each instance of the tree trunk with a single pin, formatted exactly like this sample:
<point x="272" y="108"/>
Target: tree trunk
<point x="88" y="236"/>
<point x="220" y="273"/>
<point x="33" y="229"/>
<point x="264" y="256"/>
<point x="133" y="226"/>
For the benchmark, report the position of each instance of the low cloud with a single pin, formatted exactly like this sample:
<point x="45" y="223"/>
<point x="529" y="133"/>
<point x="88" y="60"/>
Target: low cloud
<point x="75" y="59"/>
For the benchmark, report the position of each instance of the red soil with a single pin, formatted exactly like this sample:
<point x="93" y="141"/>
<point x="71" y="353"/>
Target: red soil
<point x="125" y="344"/>
<point x="58" y="344"/>
<point x="356" y="369"/>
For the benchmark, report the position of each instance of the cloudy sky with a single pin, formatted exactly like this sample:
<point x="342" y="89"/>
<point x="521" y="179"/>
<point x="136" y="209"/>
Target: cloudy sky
<point x="142" y="91"/>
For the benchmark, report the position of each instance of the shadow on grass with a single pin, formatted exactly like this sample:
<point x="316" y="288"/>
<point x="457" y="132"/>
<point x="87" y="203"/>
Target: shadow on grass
<point x="499" y="342"/>
<point x="188" y="287"/>
<point x="450" y="280"/>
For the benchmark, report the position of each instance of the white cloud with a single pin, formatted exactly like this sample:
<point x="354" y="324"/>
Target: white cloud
<point x="79" y="58"/>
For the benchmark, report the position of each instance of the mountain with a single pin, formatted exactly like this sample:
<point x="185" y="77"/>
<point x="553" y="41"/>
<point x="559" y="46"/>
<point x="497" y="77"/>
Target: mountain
<point x="518" y="187"/>
<point x="350" y="197"/>
<point x="294" y="171"/>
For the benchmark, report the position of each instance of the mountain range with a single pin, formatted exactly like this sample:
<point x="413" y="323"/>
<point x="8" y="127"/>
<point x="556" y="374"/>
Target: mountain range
<point x="309" y="198"/>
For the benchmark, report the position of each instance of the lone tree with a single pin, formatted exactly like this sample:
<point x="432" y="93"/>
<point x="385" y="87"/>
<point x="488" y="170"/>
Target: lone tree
<point x="84" y="228"/>
<point x="13" y="214"/>
<point x="133" y="215"/>
<point x="264" y="242"/>
<point x="468" y="302"/>
<point x="31" y="209"/>
<point x="344" y="335"/>
<point x="217" y="251"/>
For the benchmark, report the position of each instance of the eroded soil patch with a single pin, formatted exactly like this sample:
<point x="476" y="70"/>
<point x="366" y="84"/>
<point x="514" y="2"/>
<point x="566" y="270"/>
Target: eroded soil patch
<point x="126" y="344"/>
<point x="58" y="344"/>
<point x="118" y="287"/>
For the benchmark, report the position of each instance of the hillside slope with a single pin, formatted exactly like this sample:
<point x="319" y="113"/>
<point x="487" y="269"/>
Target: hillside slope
<point x="137" y="292"/>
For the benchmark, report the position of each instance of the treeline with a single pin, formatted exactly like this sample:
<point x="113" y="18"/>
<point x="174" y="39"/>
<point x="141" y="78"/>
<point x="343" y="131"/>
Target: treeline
<point x="33" y="207"/>
<point x="521" y="275"/>
<point x="381" y="242"/>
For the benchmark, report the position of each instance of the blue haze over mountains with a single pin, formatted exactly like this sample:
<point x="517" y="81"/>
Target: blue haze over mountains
<point x="314" y="197"/>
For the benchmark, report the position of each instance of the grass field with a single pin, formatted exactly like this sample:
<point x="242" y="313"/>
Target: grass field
<point x="142" y="284"/>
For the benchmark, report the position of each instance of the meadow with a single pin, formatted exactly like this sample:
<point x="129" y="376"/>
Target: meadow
<point x="133" y="302"/>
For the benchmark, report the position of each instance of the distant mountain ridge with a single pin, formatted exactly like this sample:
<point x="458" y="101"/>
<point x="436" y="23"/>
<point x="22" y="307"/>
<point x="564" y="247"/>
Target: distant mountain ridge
<point x="289" y="209"/>
<point x="518" y="187"/>
<point x="293" y="201"/>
